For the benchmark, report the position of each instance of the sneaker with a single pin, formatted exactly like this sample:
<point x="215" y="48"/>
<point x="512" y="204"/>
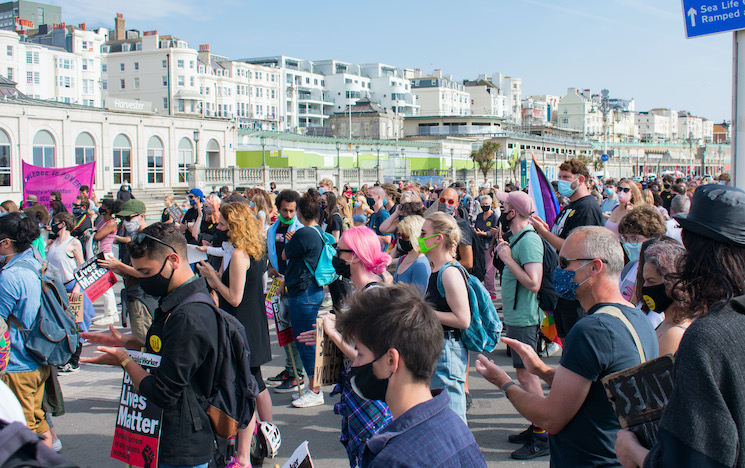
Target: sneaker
<point x="308" y="399"/>
<point x="327" y="302"/>
<point x="552" y="349"/>
<point x="57" y="444"/>
<point x="68" y="369"/>
<point x="106" y="320"/>
<point x="289" y="386"/>
<point x="469" y="401"/>
<point x="493" y="297"/>
<point x="234" y="464"/>
<point x="278" y="379"/>
<point x="534" y="448"/>
<point x="522" y="437"/>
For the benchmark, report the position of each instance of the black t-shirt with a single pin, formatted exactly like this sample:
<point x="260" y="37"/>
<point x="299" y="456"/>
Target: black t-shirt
<point x="334" y="224"/>
<point x="582" y="212"/>
<point x="305" y="246"/>
<point x="667" y="199"/>
<point x="190" y="216"/>
<point x="279" y="243"/>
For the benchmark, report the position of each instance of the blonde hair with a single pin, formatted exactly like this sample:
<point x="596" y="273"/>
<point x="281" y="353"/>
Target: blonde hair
<point x="344" y="210"/>
<point x="446" y="225"/>
<point x="636" y="194"/>
<point x="648" y="197"/>
<point x="259" y="203"/>
<point x="412" y="226"/>
<point x="244" y="229"/>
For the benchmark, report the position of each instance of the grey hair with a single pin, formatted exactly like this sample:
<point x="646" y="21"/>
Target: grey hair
<point x="664" y="257"/>
<point x="680" y="204"/>
<point x="599" y="242"/>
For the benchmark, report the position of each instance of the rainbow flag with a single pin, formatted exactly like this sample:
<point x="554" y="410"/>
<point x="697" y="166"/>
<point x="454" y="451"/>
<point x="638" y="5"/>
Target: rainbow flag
<point x="548" y="328"/>
<point x="540" y="190"/>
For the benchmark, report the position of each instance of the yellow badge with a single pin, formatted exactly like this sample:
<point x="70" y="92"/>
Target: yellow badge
<point x="155" y="343"/>
<point x="649" y="301"/>
<point x="488" y="223"/>
<point x="571" y="213"/>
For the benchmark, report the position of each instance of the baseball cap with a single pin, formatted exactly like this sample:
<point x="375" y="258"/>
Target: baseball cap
<point x="132" y="207"/>
<point x="197" y="193"/>
<point x="519" y="201"/>
<point x="32" y="198"/>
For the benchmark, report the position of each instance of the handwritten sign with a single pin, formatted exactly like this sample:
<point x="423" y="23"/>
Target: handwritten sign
<point x="639" y="394"/>
<point x="280" y="309"/>
<point x="175" y="212"/>
<point x="329" y="358"/>
<point x="300" y="458"/>
<point x="93" y="279"/>
<point x="76" y="307"/>
<point x="137" y="430"/>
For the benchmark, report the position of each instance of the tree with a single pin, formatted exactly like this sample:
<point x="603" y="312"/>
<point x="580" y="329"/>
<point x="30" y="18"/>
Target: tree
<point x="485" y="157"/>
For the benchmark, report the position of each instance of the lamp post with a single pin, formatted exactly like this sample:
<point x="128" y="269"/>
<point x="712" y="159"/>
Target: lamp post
<point x="377" y="146"/>
<point x="196" y="147"/>
<point x="357" y="150"/>
<point x="452" y="153"/>
<point x="690" y="141"/>
<point x="263" y="153"/>
<point x="338" y="148"/>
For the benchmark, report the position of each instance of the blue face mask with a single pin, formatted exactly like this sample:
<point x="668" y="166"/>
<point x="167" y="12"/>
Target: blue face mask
<point x="565" y="188"/>
<point x="564" y="283"/>
<point x="633" y="250"/>
<point x="251" y="204"/>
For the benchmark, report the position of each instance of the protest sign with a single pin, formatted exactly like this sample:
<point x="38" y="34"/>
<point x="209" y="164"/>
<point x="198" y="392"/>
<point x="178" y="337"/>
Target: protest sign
<point x="76" y="307"/>
<point x="639" y="394"/>
<point x="39" y="181"/>
<point x="274" y="291"/>
<point x="281" y="312"/>
<point x="93" y="279"/>
<point x="175" y="213"/>
<point x="249" y="193"/>
<point x="300" y="458"/>
<point x="329" y="358"/>
<point x="137" y="430"/>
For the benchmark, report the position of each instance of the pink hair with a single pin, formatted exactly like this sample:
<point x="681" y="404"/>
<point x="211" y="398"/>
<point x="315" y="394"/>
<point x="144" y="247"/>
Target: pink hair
<point x="365" y="244"/>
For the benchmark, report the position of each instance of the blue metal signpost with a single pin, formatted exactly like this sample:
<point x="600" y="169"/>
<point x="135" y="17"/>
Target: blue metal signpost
<point x="604" y="158"/>
<point x="704" y="17"/>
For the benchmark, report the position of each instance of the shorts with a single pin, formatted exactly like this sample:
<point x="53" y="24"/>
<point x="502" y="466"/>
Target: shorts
<point x="527" y="335"/>
<point x="256" y="372"/>
<point x="28" y="387"/>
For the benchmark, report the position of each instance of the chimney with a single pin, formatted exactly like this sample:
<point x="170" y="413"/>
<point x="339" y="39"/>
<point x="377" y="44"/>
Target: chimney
<point x="119" y="27"/>
<point x="204" y="53"/>
<point x="81" y="26"/>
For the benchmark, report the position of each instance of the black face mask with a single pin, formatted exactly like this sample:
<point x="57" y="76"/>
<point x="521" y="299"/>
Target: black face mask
<point x="219" y="237"/>
<point x="405" y="245"/>
<point x="656" y="298"/>
<point x="55" y="229"/>
<point x="78" y="212"/>
<point x="366" y="385"/>
<point x="504" y="222"/>
<point x="370" y="201"/>
<point x="102" y="211"/>
<point x="341" y="267"/>
<point x="157" y="285"/>
<point x="485" y="208"/>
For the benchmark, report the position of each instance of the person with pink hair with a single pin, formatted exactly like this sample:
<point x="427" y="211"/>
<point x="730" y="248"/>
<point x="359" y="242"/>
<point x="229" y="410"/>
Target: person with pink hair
<point x="358" y="256"/>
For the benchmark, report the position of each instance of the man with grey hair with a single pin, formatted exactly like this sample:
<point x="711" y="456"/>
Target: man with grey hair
<point x="680" y="204"/>
<point x="613" y="336"/>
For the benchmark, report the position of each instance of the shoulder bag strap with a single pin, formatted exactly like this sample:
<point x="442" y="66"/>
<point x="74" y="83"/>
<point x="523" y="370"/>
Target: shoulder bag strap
<point x="616" y="312"/>
<point x="514" y="305"/>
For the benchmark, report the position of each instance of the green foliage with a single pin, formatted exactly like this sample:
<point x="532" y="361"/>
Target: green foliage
<point x="485" y="157"/>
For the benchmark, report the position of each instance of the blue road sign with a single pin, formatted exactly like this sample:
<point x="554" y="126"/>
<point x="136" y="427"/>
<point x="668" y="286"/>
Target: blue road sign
<point x="604" y="158"/>
<point x="704" y="17"/>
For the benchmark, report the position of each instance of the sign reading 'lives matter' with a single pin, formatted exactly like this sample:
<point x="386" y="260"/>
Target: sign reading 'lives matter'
<point x="704" y="17"/>
<point x="138" y="421"/>
<point x="93" y="279"/>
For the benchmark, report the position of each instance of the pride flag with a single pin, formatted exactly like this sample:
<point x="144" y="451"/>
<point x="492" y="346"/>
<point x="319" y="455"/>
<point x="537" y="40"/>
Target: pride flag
<point x="540" y="190"/>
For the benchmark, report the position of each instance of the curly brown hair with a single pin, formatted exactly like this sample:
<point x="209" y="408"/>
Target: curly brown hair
<point x="244" y="229"/>
<point x="576" y="167"/>
<point x="642" y="220"/>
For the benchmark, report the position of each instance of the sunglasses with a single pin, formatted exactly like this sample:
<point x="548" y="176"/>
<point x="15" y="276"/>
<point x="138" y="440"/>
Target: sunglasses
<point x="76" y="206"/>
<point x="139" y="238"/>
<point x="564" y="262"/>
<point x="449" y="202"/>
<point x="623" y="189"/>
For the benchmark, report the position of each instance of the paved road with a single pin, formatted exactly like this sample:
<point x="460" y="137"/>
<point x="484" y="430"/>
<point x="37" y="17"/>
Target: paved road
<point x="91" y="395"/>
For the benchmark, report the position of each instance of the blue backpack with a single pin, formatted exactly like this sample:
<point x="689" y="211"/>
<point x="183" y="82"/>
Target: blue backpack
<point x="324" y="273"/>
<point x="482" y="335"/>
<point x="53" y="336"/>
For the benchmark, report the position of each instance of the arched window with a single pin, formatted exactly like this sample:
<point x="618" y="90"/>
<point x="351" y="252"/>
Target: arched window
<point x="122" y="159"/>
<point x="4" y="159"/>
<point x="185" y="157"/>
<point x="154" y="161"/>
<point x="85" y="150"/>
<point x="213" y="153"/>
<point x="43" y="149"/>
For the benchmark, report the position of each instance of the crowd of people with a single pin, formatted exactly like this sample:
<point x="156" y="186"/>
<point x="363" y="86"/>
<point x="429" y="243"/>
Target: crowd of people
<point x="646" y="267"/>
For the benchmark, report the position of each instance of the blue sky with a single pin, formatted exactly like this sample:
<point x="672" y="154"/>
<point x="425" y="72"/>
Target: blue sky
<point x="636" y="49"/>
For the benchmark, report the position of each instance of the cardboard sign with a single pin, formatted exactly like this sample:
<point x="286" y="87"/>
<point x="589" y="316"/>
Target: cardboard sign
<point x="329" y="358"/>
<point x="249" y="193"/>
<point x="93" y="279"/>
<point x="137" y="430"/>
<point x="175" y="213"/>
<point x="281" y="312"/>
<point x="274" y="291"/>
<point x="300" y="458"/>
<point x="76" y="307"/>
<point x="639" y="394"/>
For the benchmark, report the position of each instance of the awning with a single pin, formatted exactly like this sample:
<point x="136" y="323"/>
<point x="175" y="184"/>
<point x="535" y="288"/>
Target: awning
<point x="188" y="94"/>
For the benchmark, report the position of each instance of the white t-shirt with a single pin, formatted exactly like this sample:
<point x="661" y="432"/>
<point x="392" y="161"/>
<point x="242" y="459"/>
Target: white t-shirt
<point x="10" y="409"/>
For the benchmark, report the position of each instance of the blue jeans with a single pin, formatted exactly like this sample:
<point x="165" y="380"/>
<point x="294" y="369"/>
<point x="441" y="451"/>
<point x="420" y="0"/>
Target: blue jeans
<point x="203" y="465"/>
<point x="303" y="313"/>
<point x="450" y="374"/>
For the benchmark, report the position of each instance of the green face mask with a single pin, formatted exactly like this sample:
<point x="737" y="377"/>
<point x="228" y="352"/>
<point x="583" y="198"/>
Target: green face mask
<point x="422" y="245"/>
<point x="285" y="221"/>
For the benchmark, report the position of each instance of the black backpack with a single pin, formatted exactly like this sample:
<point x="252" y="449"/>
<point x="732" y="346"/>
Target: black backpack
<point x="547" y="295"/>
<point x="232" y="400"/>
<point x="21" y="448"/>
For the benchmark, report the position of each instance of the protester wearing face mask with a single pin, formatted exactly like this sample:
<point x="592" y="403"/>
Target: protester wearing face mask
<point x="184" y="334"/>
<point x="582" y="210"/>
<point x="191" y="223"/>
<point x="576" y="412"/>
<point x="485" y="227"/>
<point x="413" y="266"/>
<point x="397" y="339"/>
<point x="640" y="224"/>
<point x="610" y="199"/>
<point x="376" y="200"/>
<point x="80" y="208"/>
<point x="106" y="227"/>
<point x="360" y="210"/>
<point x="629" y="196"/>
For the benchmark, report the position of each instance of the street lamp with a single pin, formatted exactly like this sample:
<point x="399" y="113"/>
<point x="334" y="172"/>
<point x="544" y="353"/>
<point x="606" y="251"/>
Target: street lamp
<point x="196" y="147"/>
<point x="378" y="148"/>
<point x="338" y="148"/>
<point x="690" y="141"/>
<point x="263" y="153"/>
<point x="357" y="149"/>
<point x="452" y="152"/>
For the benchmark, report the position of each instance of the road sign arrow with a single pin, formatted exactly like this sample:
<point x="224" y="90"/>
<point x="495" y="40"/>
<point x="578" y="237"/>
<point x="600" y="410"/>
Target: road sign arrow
<point x="692" y="14"/>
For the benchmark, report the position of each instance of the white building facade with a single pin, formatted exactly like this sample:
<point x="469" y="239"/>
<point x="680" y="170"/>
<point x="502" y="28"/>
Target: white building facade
<point x="439" y="94"/>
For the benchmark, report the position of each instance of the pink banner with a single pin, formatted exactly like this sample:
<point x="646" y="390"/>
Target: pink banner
<point x="40" y="181"/>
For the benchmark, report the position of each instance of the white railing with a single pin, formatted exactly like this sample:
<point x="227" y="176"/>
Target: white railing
<point x="218" y="176"/>
<point x="281" y="174"/>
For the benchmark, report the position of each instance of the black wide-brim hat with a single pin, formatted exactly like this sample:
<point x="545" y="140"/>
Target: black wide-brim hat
<point x="717" y="212"/>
